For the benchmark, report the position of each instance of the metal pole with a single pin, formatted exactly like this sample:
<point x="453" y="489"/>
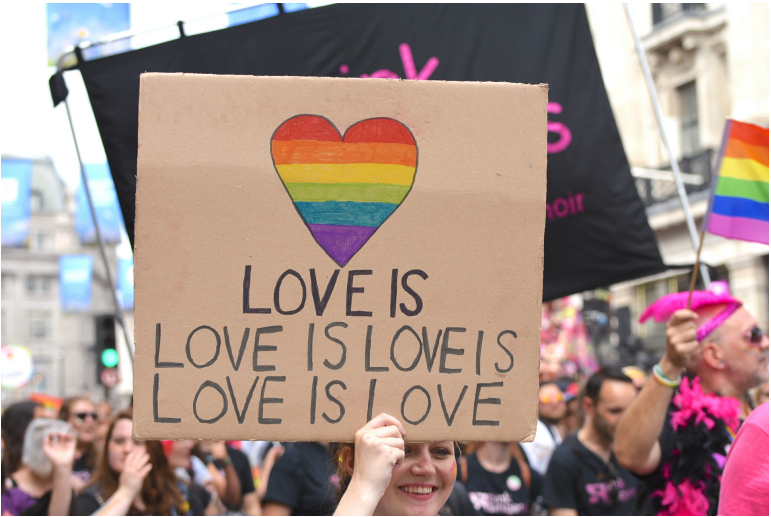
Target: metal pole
<point x="675" y="167"/>
<point x="102" y="247"/>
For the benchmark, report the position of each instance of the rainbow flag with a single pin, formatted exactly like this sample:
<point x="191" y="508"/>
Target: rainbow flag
<point x="344" y="187"/>
<point x="739" y="204"/>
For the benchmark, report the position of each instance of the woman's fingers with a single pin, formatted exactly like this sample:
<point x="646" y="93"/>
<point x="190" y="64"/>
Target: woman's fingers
<point x="383" y="420"/>
<point x="390" y="431"/>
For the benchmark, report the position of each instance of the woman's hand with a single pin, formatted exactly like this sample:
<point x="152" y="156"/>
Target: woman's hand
<point x="59" y="448"/>
<point x="379" y="449"/>
<point x="135" y="470"/>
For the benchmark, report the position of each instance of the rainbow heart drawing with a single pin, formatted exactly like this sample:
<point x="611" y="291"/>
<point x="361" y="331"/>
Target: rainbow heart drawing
<point x="344" y="187"/>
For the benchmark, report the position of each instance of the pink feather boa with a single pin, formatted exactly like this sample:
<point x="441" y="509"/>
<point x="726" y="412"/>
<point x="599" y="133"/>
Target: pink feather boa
<point x="694" y="406"/>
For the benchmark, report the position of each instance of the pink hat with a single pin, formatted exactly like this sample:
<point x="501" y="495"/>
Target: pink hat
<point x="664" y="307"/>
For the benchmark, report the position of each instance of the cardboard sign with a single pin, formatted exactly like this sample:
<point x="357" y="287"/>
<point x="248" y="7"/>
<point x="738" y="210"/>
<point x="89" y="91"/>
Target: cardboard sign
<point x="311" y="252"/>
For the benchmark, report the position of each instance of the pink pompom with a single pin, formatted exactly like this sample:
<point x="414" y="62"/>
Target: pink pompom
<point x="664" y="307"/>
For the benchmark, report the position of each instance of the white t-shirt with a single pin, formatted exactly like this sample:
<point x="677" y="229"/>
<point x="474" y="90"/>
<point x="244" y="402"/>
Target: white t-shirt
<point x="539" y="451"/>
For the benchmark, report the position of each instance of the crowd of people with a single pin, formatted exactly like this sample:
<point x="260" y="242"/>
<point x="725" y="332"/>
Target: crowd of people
<point x="690" y="438"/>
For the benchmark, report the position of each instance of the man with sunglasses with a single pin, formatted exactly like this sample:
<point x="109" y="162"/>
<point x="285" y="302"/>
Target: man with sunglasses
<point x="718" y="342"/>
<point x="584" y="478"/>
<point x="551" y="409"/>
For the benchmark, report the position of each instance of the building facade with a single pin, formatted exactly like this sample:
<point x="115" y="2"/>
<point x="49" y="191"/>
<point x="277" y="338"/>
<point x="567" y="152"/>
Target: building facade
<point x="61" y="343"/>
<point x="709" y="62"/>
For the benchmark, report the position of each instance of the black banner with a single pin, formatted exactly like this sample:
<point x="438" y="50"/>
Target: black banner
<point x="597" y="233"/>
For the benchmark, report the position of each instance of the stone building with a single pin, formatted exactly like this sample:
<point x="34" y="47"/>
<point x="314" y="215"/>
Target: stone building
<point x="709" y="62"/>
<point x="32" y="315"/>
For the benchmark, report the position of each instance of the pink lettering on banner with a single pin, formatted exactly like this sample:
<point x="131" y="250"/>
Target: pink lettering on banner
<point x="409" y="64"/>
<point x="409" y="67"/>
<point x="563" y="207"/>
<point x="565" y="136"/>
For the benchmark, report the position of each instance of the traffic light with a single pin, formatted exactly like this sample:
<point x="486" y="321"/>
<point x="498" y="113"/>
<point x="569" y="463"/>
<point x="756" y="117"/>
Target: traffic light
<point x="106" y="354"/>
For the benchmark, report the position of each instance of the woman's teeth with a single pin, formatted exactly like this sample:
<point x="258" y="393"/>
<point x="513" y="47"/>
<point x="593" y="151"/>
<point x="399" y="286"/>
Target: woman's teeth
<point x="417" y="489"/>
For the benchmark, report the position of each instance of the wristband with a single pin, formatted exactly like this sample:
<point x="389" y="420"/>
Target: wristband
<point x="658" y="374"/>
<point x="227" y="461"/>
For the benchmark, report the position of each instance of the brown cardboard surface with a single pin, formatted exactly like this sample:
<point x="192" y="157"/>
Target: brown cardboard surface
<point x="467" y="241"/>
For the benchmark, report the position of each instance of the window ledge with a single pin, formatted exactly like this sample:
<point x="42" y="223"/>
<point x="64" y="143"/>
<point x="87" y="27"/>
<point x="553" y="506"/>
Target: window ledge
<point x="679" y="26"/>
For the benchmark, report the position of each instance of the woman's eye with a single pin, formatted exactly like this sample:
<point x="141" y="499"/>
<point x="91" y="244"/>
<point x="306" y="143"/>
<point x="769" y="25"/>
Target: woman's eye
<point x="441" y="452"/>
<point x="407" y="450"/>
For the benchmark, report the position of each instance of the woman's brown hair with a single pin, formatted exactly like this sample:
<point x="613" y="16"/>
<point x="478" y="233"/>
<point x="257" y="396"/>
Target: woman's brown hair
<point x="65" y="412"/>
<point x="344" y="476"/>
<point x="159" y="490"/>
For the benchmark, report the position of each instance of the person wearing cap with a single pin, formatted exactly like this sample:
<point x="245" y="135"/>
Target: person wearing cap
<point x="676" y="434"/>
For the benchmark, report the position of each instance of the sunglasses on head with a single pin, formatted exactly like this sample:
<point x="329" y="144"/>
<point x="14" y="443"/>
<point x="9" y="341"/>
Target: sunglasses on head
<point x="551" y="399"/>
<point x="83" y="416"/>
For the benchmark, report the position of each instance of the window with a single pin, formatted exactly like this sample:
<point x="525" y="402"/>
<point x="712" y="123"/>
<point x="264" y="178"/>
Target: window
<point x="689" y="120"/>
<point x="6" y="284"/>
<point x="39" y="325"/>
<point x="664" y="12"/>
<point x="40" y="284"/>
<point x="31" y="284"/>
<point x="36" y="201"/>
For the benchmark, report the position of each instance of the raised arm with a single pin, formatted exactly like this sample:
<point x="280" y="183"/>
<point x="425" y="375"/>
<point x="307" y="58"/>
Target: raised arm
<point x="636" y="443"/>
<point x="132" y="477"/>
<point x="59" y="448"/>
<point x="379" y="448"/>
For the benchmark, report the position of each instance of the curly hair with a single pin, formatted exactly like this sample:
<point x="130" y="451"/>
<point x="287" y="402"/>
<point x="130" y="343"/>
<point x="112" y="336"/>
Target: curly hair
<point x="160" y="492"/>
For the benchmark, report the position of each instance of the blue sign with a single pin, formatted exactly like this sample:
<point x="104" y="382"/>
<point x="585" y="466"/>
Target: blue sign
<point x="15" y="184"/>
<point x="70" y="24"/>
<point x="250" y="14"/>
<point x="126" y="282"/>
<point x="75" y="272"/>
<point x="105" y="203"/>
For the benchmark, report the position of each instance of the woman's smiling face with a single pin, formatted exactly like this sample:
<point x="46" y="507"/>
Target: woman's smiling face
<point x="422" y="483"/>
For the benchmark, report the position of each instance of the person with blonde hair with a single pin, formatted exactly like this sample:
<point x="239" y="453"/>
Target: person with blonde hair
<point x="46" y="464"/>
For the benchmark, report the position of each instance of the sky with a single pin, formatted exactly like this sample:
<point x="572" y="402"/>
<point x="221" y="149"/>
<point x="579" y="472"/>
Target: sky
<point x="31" y="127"/>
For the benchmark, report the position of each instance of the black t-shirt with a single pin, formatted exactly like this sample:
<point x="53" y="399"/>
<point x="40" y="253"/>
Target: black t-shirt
<point x="303" y="479"/>
<point x="458" y="503"/>
<point x="243" y="470"/>
<point x="500" y="494"/>
<point x="92" y="498"/>
<point x="654" y="481"/>
<point x="41" y="506"/>
<point x="82" y="469"/>
<point x="579" y="480"/>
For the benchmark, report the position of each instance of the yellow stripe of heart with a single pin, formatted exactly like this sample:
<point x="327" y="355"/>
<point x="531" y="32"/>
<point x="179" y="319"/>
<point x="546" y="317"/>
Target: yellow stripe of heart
<point x="347" y="173"/>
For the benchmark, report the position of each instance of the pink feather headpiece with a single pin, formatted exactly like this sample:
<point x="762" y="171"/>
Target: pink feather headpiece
<point x="664" y="307"/>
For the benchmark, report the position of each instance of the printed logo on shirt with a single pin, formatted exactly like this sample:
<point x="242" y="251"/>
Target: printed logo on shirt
<point x="600" y="492"/>
<point x="514" y="483"/>
<point x="497" y="504"/>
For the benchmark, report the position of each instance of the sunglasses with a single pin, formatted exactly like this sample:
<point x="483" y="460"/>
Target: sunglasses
<point x="551" y="399"/>
<point x="755" y="335"/>
<point x="83" y="416"/>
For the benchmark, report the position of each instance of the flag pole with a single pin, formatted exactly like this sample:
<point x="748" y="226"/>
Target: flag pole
<point x="675" y="167"/>
<point x="99" y="236"/>
<point x="695" y="272"/>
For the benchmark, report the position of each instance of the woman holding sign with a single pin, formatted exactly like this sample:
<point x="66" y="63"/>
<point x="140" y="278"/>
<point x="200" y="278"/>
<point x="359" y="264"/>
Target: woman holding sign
<point x="380" y="474"/>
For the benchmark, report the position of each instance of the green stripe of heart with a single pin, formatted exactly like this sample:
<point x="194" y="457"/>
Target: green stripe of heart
<point x="359" y="192"/>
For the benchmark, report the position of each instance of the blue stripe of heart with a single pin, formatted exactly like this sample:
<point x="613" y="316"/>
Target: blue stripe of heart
<point x="345" y="213"/>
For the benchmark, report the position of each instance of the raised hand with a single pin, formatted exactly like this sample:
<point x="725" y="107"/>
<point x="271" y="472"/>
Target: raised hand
<point x="135" y="470"/>
<point x="59" y="448"/>
<point x="681" y="340"/>
<point x="218" y="450"/>
<point x="379" y="448"/>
